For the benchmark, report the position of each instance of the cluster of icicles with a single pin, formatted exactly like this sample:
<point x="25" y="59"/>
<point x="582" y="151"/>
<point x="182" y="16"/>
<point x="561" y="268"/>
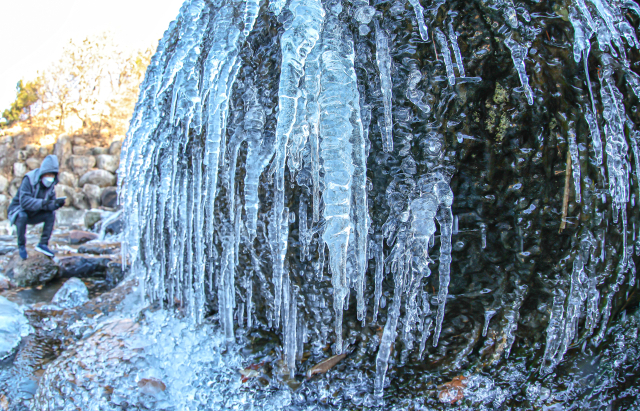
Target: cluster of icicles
<point x="169" y="198"/>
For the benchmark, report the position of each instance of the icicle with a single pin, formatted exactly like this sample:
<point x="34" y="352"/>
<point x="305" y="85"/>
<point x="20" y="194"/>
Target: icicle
<point x="417" y="8"/>
<point x="518" y="54"/>
<point x="596" y="140"/>
<point x="379" y="274"/>
<point x="383" y="59"/>
<point x="251" y="9"/>
<point x="512" y="315"/>
<point x="446" y="54"/>
<point x="337" y="108"/>
<point x="303" y="232"/>
<point x="300" y="35"/>
<point x="575" y="160"/>
<point x="312" y="85"/>
<point x="445" y="220"/>
<point x="453" y="39"/>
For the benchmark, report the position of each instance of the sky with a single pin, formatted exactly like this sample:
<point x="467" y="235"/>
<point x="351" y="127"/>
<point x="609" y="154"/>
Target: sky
<point x="33" y="33"/>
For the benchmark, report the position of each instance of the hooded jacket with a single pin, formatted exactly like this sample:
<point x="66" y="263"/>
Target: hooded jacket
<point x="33" y="195"/>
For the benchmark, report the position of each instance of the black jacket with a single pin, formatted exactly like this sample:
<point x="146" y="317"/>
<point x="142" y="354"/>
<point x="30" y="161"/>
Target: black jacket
<point x="33" y="195"/>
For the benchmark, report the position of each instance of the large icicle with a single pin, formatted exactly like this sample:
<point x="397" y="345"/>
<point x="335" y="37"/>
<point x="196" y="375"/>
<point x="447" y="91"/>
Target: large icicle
<point x="302" y="31"/>
<point x="383" y="59"/>
<point x="417" y="8"/>
<point x="339" y="123"/>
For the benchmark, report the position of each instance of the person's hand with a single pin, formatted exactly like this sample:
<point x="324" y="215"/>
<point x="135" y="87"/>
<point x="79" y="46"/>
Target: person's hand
<point x="49" y="205"/>
<point x="59" y="202"/>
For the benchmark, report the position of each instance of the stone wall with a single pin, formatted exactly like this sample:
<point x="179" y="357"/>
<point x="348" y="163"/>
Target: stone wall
<point x="88" y="167"/>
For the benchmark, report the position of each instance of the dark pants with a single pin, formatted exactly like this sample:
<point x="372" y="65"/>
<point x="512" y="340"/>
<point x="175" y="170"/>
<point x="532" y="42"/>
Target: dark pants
<point x="46" y="217"/>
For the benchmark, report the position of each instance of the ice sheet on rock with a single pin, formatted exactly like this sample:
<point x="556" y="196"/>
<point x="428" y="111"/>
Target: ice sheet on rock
<point x="72" y="294"/>
<point x="13" y="327"/>
<point x="518" y="54"/>
<point x="383" y="59"/>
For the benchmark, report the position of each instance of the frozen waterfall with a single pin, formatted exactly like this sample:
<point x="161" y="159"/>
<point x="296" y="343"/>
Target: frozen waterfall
<point x="241" y="171"/>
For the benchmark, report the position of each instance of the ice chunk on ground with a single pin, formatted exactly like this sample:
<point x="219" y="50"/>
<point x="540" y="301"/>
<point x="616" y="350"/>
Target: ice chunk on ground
<point x="72" y="294"/>
<point x="13" y="326"/>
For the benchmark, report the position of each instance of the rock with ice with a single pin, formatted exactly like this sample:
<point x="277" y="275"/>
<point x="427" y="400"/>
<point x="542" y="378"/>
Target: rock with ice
<point x="72" y="294"/>
<point x="13" y="327"/>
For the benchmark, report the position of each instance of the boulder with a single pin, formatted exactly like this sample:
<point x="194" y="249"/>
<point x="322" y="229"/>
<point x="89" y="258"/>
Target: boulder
<point x="80" y="237"/>
<point x="13" y="190"/>
<point x="114" y="227"/>
<point x="109" y="197"/>
<point x="79" y="141"/>
<point x="62" y="149"/>
<point x="4" y="204"/>
<point x="81" y="150"/>
<point x="13" y="327"/>
<point x="107" y="162"/>
<point x="80" y="266"/>
<point x="35" y="270"/>
<point x="65" y="191"/>
<point x="100" y="178"/>
<point x="19" y="169"/>
<point x="4" y="184"/>
<point x="73" y="293"/>
<point x="7" y="249"/>
<point x="91" y="217"/>
<point x="92" y="192"/>
<point x="82" y="164"/>
<point x="45" y="151"/>
<point x="68" y="179"/>
<point x="32" y="163"/>
<point x="115" y="148"/>
<point x="80" y="201"/>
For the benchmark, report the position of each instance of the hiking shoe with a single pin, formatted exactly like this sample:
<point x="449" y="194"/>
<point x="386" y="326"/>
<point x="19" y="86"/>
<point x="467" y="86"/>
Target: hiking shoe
<point x="22" y="250"/>
<point x="44" y="250"/>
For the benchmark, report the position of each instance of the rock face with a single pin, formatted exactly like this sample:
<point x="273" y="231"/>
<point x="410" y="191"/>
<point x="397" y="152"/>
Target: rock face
<point x="101" y="178"/>
<point x="19" y="170"/>
<point x="92" y="193"/>
<point x="13" y="327"/>
<point x="62" y="150"/>
<point x="81" y="237"/>
<point x="72" y="294"/>
<point x="35" y="270"/>
<point x="4" y="184"/>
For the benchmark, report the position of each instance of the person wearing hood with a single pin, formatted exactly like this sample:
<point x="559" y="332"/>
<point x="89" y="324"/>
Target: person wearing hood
<point x="35" y="203"/>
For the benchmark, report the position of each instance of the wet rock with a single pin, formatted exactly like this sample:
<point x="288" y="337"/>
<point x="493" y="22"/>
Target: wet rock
<point x="107" y="162"/>
<point x="72" y="294"/>
<point x="114" y="274"/>
<point x="13" y="327"/>
<point x="115" y="226"/>
<point x="109" y="197"/>
<point x="99" y="248"/>
<point x="19" y="169"/>
<point x="91" y="217"/>
<point x="100" y="178"/>
<point x="4" y="184"/>
<point x="32" y="163"/>
<point x="82" y="164"/>
<point x="6" y="249"/>
<point x="67" y="178"/>
<point x="92" y="193"/>
<point x="35" y="270"/>
<point x="80" y="266"/>
<point x="80" y="237"/>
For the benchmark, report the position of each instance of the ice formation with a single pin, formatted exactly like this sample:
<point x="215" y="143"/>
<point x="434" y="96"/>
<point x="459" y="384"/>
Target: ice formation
<point x="223" y="180"/>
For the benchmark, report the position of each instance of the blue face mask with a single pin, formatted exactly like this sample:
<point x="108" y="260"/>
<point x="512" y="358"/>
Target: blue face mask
<point x="47" y="181"/>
